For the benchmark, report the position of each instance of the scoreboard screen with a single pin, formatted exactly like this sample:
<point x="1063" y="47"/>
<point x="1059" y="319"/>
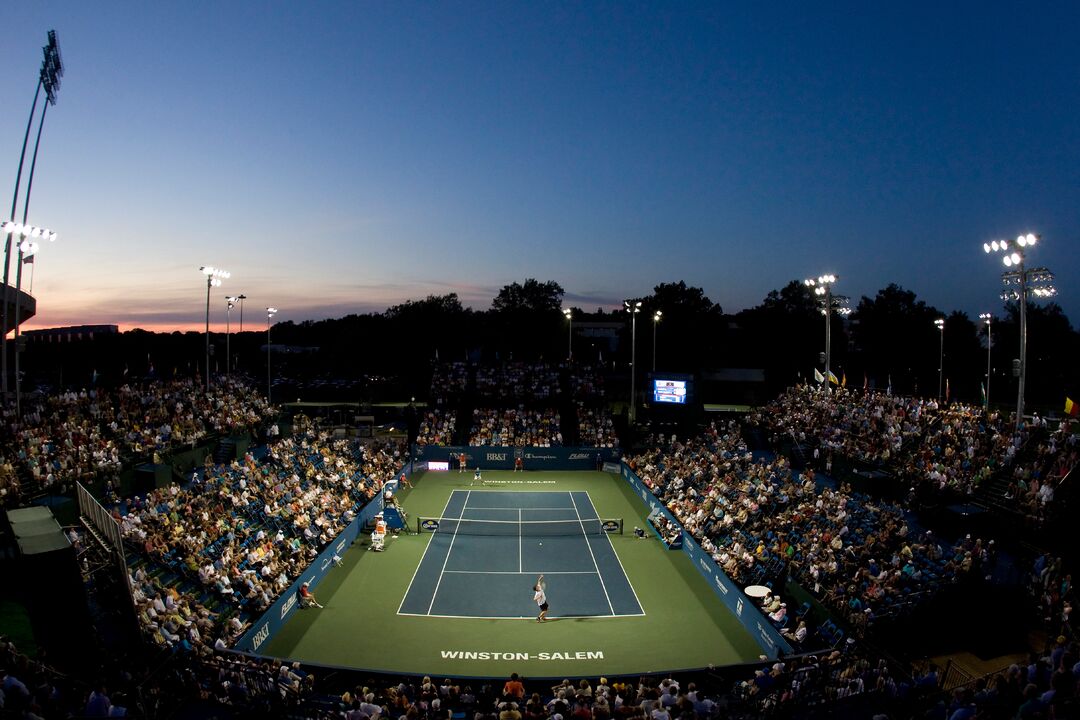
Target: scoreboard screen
<point x="669" y="391"/>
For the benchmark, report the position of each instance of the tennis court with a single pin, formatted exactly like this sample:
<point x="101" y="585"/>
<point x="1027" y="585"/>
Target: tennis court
<point x="398" y="611"/>
<point x="489" y="546"/>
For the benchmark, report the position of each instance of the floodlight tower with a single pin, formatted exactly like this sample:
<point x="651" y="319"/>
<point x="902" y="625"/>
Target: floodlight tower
<point x="230" y="303"/>
<point x="988" y="319"/>
<point x="823" y="288"/>
<point x="1019" y="282"/>
<point x="633" y="307"/>
<point x="214" y="278"/>
<point x="569" y="314"/>
<point x="27" y="237"/>
<point x="655" y="321"/>
<point x="52" y="69"/>
<point x="940" y="323"/>
<point x="270" y="312"/>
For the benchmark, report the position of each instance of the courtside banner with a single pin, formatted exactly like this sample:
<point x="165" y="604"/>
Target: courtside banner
<point x="275" y="617"/>
<point x="767" y="637"/>
<point x="533" y="458"/>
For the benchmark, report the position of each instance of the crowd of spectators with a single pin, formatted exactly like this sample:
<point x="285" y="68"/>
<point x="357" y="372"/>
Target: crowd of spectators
<point x="596" y="428"/>
<point x="437" y="427"/>
<point x="953" y="447"/>
<point x="516" y="428"/>
<point x="243" y="532"/>
<point x="759" y="520"/>
<point x="518" y="381"/>
<point x="449" y="381"/>
<point x="586" y="382"/>
<point x="87" y="435"/>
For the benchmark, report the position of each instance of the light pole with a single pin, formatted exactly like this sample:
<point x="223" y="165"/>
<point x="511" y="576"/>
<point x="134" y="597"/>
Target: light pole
<point x="940" y="323"/>
<point x="569" y="313"/>
<point x="27" y="243"/>
<point x="1018" y="283"/>
<point x="655" y="320"/>
<point x="230" y="301"/>
<point x="633" y="307"/>
<point x="270" y="312"/>
<point x="52" y="69"/>
<point x="241" y="297"/>
<point x="214" y="278"/>
<point x="823" y="288"/>
<point x="988" y="319"/>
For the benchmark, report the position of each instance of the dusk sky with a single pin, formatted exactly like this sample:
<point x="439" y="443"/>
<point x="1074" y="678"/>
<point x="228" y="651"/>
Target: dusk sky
<point x="342" y="157"/>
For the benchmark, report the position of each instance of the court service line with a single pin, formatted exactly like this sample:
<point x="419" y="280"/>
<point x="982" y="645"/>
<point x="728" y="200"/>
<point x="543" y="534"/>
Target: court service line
<point x="426" y="548"/>
<point x="450" y="550"/>
<point x="618" y="559"/>
<point x="589" y="544"/>
<point x="474" y="507"/>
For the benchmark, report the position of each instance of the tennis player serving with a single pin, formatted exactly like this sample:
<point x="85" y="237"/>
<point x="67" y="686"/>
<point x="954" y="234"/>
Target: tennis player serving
<point x="540" y="597"/>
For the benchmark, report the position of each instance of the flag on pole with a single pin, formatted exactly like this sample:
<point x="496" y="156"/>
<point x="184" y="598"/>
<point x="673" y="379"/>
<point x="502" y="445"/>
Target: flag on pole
<point x="818" y="376"/>
<point x="982" y="386"/>
<point x="833" y="379"/>
<point x="946" y="389"/>
<point x="865" y="383"/>
<point x="888" y="390"/>
<point x="843" y="380"/>
<point x="1071" y="408"/>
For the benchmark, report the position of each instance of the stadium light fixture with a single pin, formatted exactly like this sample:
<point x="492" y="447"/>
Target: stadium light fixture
<point x="214" y="278"/>
<point x="270" y="313"/>
<point x="25" y="237"/>
<point x="633" y="307"/>
<point x="1021" y="282"/>
<point x="230" y="303"/>
<point x="655" y="321"/>
<point x="569" y="315"/>
<point x="940" y="323"/>
<point x="52" y="69"/>
<point x="987" y="318"/>
<point x="822" y="287"/>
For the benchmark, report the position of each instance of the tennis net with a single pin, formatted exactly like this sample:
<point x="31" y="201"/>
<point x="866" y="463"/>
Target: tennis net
<point x="519" y="528"/>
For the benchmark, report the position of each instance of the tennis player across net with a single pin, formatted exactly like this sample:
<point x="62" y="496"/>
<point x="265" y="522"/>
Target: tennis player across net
<point x="520" y="528"/>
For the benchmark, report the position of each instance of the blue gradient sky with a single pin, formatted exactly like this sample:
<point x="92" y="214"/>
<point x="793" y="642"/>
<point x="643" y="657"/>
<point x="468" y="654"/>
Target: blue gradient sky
<point x="342" y="157"/>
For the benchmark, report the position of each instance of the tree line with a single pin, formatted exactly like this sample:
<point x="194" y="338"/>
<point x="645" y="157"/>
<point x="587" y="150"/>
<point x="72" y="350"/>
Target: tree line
<point x="889" y="339"/>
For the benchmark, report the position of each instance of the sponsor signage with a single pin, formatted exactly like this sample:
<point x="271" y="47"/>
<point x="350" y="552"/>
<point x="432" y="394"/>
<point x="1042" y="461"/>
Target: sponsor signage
<point x="430" y="524"/>
<point x="438" y="465"/>
<point x="611" y="526"/>
<point x="534" y="458"/>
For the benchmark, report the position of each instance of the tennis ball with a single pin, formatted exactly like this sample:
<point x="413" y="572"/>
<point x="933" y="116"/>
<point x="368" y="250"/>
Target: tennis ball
<point x="541" y="544"/>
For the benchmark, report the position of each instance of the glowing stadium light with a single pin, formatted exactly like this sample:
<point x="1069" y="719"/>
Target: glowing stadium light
<point x="988" y="319"/>
<point x="214" y="278"/>
<point x="633" y="307"/>
<point x="52" y="69"/>
<point x="940" y="323"/>
<point x="655" y="321"/>
<point x="270" y="313"/>
<point x="1020" y="284"/>
<point x="822" y="286"/>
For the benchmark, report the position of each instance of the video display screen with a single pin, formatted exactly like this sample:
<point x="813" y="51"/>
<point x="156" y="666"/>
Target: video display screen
<point x="669" y="391"/>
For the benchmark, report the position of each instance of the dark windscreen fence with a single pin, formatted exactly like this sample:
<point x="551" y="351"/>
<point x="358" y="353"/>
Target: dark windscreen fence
<point x="519" y="528"/>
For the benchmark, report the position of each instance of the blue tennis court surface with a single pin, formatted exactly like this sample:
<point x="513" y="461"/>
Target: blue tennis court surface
<point x="491" y="576"/>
